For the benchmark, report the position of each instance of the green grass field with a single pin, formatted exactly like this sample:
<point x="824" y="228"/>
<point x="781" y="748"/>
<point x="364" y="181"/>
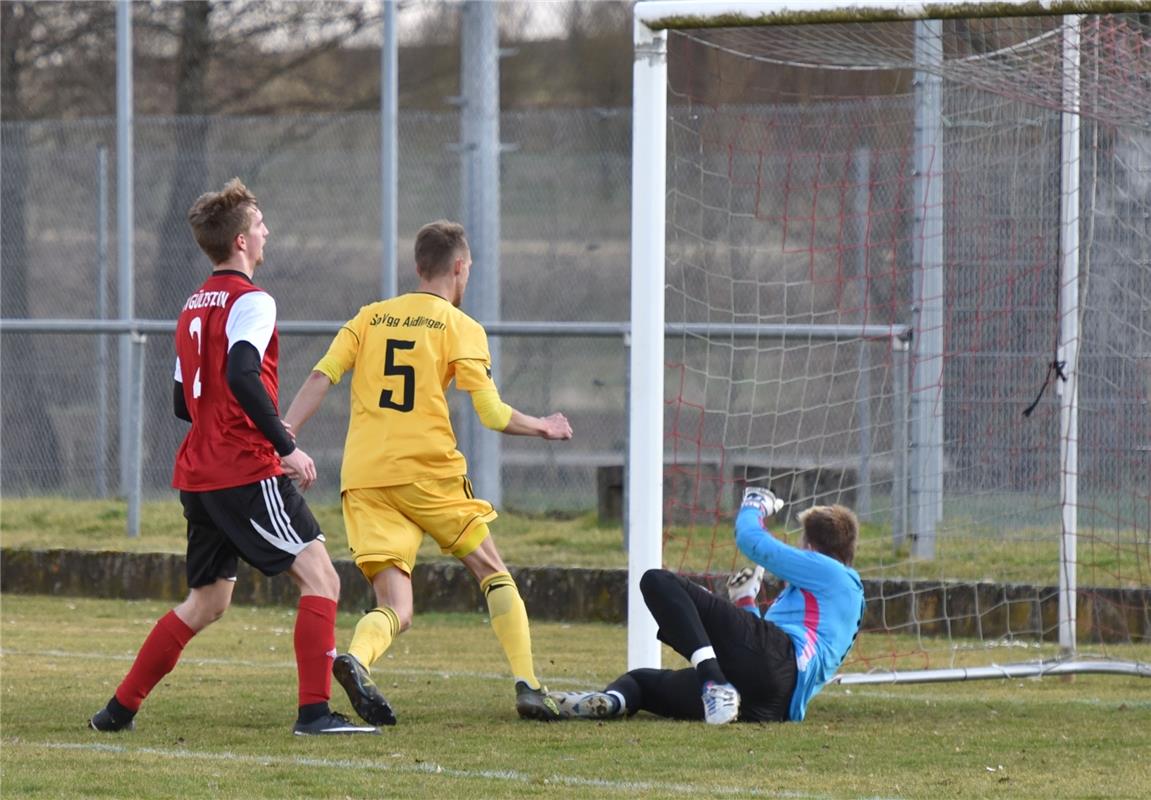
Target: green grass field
<point x="219" y="725"/>
<point x="100" y="525"/>
<point x="580" y="542"/>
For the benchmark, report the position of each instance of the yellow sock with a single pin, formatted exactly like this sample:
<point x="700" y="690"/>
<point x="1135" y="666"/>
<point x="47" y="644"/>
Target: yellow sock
<point x="374" y="634"/>
<point x="510" y="623"/>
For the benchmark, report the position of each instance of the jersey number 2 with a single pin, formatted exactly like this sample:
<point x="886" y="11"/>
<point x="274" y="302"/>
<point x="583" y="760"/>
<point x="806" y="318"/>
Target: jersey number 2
<point x="195" y="330"/>
<point x="408" y="373"/>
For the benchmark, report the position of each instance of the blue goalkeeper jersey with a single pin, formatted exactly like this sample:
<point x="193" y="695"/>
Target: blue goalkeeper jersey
<point x="821" y="607"/>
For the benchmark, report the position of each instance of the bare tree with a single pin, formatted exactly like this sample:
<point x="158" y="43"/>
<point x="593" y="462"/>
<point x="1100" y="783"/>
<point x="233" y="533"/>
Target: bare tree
<point x="229" y="58"/>
<point x="197" y="60"/>
<point x="56" y="59"/>
<point x="599" y="41"/>
<point x="33" y="37"/>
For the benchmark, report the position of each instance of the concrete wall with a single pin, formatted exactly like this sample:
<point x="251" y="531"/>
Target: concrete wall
<point x="550" y="593"/>
<point x="979" y="611"/>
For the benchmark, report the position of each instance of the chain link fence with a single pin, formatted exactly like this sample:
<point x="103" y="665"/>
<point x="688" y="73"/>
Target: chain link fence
<point x="563" y="257"/>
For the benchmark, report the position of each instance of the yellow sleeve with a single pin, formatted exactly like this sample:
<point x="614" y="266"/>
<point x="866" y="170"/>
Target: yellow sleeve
<point x="493" y="412"/>
<point x="469" y="342"/>
<point x="341" y="355"/>
<point x="474" y="375"/>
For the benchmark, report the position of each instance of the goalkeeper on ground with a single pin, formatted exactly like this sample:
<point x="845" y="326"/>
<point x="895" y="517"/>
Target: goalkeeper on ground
<point x="744" y="666"/>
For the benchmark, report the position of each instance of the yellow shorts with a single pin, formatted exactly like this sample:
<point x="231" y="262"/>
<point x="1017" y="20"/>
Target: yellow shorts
<point x="386" y="525"/>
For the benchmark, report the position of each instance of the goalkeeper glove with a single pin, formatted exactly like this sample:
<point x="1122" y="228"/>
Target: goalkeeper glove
<point x="761" y="499"/>
<point x="743" y="587"/>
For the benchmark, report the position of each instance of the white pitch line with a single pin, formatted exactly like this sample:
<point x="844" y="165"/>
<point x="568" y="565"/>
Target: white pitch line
<point x="236" y="662"/>
<point x="425" y="768"/>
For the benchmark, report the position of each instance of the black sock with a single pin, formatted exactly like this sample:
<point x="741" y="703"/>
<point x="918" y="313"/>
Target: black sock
<point x="708" y="670"/>
<point x="629" y="688"/>
<point x="312" y="712"/>
<point x="120" y="714"/>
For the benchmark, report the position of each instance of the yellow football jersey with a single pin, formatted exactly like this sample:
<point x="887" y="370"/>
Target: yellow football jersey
<point x="404" y="352"/>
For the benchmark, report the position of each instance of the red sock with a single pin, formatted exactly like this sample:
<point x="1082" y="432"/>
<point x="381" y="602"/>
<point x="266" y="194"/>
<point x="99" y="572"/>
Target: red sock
<point x="157" y="656"/>
<point x="315" y="641"/>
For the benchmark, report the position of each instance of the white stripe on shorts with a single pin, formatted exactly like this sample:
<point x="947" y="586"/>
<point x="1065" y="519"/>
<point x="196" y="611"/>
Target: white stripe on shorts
<point x="288" y="547"/>
<point x="274" y="504"/>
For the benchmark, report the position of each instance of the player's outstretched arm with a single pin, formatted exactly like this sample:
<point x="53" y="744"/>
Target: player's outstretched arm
<point x="497" y="415"/>
<point x="307" y="401"/>
<point x="554" y="426"/>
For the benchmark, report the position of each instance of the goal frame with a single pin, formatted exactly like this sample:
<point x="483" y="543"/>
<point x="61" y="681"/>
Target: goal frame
<point x="644" y="473"/>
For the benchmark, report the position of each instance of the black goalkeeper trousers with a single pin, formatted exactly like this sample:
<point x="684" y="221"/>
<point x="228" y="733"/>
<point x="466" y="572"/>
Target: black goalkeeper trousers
<point x="755" y="655"/>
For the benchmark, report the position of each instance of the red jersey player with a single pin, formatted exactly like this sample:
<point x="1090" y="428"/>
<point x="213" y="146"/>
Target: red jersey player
<point x="234" y="471"/>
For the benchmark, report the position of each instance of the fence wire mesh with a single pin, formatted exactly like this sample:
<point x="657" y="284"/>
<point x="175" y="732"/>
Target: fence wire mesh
<point x="563" y="257"/>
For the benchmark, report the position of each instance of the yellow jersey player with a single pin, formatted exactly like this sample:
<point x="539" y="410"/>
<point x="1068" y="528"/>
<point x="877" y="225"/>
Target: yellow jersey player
<point x="403" y="475"/>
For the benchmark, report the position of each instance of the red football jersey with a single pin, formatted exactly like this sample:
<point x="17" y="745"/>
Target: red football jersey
<point x="224" y="448"/>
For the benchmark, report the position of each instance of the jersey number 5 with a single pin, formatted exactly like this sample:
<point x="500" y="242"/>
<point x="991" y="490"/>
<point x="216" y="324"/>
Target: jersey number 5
<point x="408" y="373"/>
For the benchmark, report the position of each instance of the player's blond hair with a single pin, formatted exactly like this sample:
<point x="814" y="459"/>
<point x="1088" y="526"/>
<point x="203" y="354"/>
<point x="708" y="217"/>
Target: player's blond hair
<point x="831" y="530"/>
<point x="217" y="218"/>
<point x="437" y="246"/>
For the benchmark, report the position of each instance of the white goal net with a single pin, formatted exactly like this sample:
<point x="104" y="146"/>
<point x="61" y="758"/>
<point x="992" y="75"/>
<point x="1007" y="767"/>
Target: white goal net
<point x="907" y="268"/>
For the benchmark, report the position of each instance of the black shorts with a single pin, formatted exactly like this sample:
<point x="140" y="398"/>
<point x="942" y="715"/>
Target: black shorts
<point x="265" y="523"/>
<point x="757" y="656"/>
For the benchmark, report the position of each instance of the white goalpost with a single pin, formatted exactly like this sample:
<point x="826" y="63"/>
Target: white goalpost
<point x="898" y="255"/>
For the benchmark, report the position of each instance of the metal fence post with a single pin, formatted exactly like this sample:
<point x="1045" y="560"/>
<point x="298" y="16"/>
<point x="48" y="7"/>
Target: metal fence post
<point x="135" y="443"/>
<point x="102" y="313"/>
<point x="389" y="149"/>
<point x="900" y="352"/>
<point x="927" y="378"/>
<point x="861" y="178"/>
<point x="125" y="224"/>
<point x="480" y="202"/>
